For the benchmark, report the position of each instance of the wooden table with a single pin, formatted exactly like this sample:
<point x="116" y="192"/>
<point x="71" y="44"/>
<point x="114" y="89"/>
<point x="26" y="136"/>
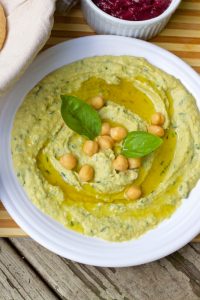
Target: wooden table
<point x="30" y="272"/>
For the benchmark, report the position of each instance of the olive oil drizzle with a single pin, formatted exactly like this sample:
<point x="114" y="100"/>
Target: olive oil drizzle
<point x="133" y="99"/>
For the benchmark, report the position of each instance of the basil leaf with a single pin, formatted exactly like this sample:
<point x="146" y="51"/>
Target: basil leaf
<point x="140" y="143"/>
<point x="80" y="116"/>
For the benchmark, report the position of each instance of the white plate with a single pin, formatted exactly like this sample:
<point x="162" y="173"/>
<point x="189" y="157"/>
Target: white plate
<point x="169" y="236"/>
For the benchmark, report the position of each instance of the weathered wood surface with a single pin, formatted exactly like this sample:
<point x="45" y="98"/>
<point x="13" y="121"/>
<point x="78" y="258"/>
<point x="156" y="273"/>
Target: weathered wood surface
<point x="29" y="271"/>
<point x="18" y="280"/>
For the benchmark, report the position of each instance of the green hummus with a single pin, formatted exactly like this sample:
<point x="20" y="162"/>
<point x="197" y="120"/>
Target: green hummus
<point x="134" y="90"/>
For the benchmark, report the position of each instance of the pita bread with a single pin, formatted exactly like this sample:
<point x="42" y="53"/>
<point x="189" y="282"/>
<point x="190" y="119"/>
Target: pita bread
<point x="2" y="26"/>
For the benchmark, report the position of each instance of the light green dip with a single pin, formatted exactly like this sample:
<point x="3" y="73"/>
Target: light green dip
<point x="134" y="90"/>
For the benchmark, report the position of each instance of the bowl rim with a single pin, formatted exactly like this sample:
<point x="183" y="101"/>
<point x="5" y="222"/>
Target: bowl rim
<point x="53" y="235"/>
<point x="167" y="13"/>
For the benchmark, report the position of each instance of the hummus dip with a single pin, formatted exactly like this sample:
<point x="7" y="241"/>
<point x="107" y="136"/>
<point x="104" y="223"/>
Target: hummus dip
<point x="133" y="90"/>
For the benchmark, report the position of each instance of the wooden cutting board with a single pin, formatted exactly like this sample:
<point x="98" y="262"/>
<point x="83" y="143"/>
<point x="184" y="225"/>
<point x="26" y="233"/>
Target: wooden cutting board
<point x="181" y="36"/>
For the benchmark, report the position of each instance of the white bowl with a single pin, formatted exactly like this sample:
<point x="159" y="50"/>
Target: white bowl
<point x="103" y="23"/>
<point x="169" y="236"/>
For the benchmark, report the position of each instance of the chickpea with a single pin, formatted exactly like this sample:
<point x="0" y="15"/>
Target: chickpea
<point x="68" y="161"/>
<point x="86" y="173"/>
<point x="90" y="147"/>
<point x="118" y="133"/>
<point x="156" y="130"/>
<point x="134" y="163"/>
<point x="133" y="193"/>
<point x="157" y="119"/>
<point x="97" y="102"/>
<point x="105" y="129"/>
<point x="105" y="142"/>
<point x="120" y="163"/>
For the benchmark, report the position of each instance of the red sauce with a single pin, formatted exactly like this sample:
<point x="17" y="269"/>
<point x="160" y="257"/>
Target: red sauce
<point x="133" y="10"/>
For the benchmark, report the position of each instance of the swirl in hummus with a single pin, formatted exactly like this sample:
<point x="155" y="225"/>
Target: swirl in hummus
<point x="134" y="90"/>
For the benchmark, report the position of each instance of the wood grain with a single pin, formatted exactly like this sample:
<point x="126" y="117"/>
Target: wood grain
<point x="17" y="279"/>
<point x="174" y="277"/>
<point x="181" y="36"/>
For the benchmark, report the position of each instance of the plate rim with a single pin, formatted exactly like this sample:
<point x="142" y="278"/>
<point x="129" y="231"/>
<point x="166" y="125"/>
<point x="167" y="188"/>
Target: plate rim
<point x="37" y="235"/>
